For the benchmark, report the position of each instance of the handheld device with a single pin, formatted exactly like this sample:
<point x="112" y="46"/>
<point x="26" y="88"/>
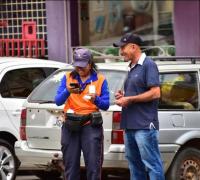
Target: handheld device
<point x="74" y="85"/>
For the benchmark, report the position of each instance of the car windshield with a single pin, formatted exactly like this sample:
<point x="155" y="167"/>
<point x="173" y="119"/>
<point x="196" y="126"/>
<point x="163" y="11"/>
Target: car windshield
<point x="46" y="92"/>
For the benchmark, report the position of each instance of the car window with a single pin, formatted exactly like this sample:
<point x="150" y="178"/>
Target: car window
<point x="115" y="82"/>
<point x="19" y="83"/>
<point x="51" y="84"/>
<point x="179" y="91"/>
<point x="49" y="71"/>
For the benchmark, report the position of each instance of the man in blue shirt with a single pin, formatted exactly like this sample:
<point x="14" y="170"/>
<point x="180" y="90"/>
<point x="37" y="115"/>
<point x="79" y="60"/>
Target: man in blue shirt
<point x="139" y="103"/>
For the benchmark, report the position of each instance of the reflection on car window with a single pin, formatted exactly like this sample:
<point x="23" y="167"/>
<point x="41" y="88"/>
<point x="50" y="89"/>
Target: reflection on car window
<point x="179" y="91"/>
<point x="51" y="84"/>
<point x="20" y="83"/>
<point x="115" y="82"/>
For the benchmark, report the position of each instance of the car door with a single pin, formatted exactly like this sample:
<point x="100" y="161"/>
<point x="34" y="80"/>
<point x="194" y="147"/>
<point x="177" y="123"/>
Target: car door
<point x="178" y="106"/>
<point x="16" y="84"/>
<point x="43" y="120"/>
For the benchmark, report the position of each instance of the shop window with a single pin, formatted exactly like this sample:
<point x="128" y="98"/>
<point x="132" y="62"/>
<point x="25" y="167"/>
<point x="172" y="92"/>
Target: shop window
<point x="103" y="22"/>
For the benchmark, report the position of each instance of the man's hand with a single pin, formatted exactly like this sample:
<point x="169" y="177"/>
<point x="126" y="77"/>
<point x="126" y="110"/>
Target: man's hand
<point x="123" y="101"/>
<point x="119" y="94"/>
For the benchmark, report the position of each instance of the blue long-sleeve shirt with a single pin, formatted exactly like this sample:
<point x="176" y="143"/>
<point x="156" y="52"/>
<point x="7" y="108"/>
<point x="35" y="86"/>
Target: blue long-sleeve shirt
<point x="102" y="101"/>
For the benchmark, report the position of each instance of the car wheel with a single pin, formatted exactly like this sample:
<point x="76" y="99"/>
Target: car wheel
<point x="186" y="166"/>
<point x="8" y="162"/>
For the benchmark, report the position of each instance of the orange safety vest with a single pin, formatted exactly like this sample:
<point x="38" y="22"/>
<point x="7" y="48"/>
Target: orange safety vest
<point x="77" y="103"/>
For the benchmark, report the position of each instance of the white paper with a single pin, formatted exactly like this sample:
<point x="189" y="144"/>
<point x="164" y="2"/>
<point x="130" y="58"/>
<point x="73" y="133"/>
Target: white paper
<point x="92" y="89"/>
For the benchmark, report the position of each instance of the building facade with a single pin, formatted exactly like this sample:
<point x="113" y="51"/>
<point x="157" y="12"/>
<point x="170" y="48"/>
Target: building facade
<point x="168" y="27"/>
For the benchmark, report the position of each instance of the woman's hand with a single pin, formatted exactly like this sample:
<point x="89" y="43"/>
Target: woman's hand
<point x="74" y="90"/>
<point x="93" y="97"/>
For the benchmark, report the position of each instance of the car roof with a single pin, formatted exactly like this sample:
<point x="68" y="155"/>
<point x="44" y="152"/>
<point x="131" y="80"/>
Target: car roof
<point x="167" y="65"/>
<point x="16" y="61"/>
<point x="163" y="63"/>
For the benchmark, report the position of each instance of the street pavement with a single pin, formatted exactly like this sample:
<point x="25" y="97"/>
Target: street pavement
<point x="25" y="175"/>
<point x="27" y="178"/>
<point x="30" y="177"/>
<point x="36" y="178"/>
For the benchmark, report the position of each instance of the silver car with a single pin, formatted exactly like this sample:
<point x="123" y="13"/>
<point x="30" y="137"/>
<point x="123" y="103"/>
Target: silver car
<point x="179" y="119"/>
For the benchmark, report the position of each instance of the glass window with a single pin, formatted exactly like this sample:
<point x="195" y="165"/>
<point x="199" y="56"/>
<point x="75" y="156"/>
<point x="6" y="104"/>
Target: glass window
<point x="5" y="92"/>
<point x="115" y="82"/>
<point x="53" y="82"/>
<point x="49" y="71"/>
<point x="179" y="91"/>
<point x="20" y="83"/>
<point x="103" y="22"/>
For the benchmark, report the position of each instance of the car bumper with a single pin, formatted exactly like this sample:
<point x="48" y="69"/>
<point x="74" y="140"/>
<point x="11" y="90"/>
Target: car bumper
<point x="33" y="158"/>
<point x="42" y="159"/>
<point x="114" y="158"/>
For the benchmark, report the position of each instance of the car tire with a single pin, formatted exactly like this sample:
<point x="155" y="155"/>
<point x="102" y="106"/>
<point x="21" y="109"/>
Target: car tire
<point x="186" y="165"/>
<point x="8" y="161"/>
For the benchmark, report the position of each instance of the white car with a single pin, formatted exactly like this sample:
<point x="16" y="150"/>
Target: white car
<point x="178" y="116"/>
<point x="40" y="120"/>
<point x="18" y="77"/>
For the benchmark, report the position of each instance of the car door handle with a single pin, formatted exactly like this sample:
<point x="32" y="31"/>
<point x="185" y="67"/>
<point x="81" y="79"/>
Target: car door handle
<point x="16" y="112"/>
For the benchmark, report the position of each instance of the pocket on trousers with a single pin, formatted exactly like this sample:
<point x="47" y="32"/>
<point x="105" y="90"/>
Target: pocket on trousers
<point x="96" y="119"/>
<point x="64" y="135"/>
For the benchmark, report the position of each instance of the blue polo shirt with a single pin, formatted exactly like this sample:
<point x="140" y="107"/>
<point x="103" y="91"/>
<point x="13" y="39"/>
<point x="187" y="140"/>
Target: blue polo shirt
<point x="140" y="78"/>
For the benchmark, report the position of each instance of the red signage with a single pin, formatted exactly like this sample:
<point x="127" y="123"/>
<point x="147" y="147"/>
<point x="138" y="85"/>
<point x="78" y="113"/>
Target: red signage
<point x="28" y="30"/>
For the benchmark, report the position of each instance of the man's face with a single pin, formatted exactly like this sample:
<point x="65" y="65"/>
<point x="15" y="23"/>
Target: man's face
<point x="128" y="52"/>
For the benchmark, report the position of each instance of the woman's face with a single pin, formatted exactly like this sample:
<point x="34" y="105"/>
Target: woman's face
<point x="83" y="72"/>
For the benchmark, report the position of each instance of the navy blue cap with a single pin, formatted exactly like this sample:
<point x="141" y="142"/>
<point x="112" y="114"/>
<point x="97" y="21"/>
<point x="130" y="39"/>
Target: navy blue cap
<point x="82" y="57"/>
<point x="129" y="38"/>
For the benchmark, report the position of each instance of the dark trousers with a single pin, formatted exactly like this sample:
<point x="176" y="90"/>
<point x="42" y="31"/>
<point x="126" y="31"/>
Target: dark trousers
<point x="90" y="141"/>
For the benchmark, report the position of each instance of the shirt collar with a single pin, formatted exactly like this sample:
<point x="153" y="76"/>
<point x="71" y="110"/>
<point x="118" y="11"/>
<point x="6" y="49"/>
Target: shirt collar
<point x="92" y="78"/>
<point x="140" y="61"/>
<point x="142" y="58"/>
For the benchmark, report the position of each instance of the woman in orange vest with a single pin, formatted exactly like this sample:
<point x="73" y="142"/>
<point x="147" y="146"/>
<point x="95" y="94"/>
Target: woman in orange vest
<point x="84" y="92"/>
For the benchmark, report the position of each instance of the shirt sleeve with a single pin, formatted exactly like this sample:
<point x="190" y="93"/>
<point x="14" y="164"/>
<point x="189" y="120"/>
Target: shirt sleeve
<point x="152" y="74"/>
<point x="62" y="92"/>
<point x="103" y="101"/>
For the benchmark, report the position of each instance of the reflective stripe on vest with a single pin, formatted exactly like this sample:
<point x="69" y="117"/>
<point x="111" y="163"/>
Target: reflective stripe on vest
<point x="77" y="103"/>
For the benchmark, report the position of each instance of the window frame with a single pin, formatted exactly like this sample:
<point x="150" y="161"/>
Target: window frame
<point x="43" y="70"/>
